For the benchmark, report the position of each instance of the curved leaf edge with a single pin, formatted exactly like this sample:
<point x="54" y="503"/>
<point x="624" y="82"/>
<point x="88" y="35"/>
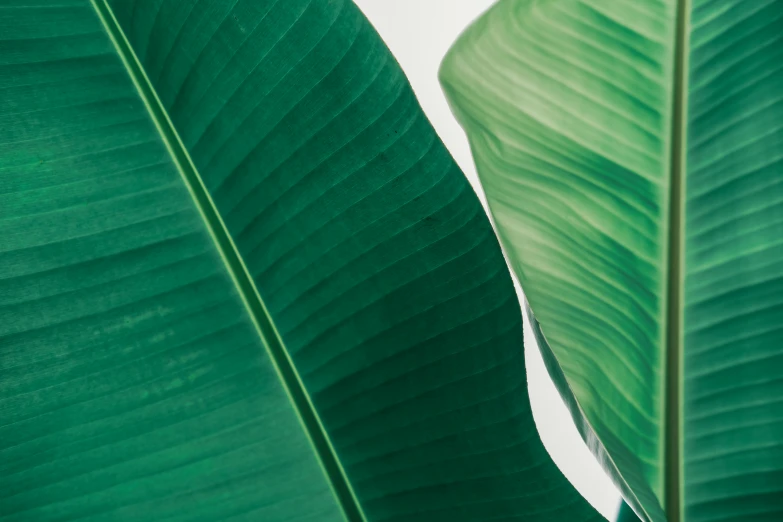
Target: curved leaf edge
<point x="457" y="103"/>
<point x="588" y="434"/>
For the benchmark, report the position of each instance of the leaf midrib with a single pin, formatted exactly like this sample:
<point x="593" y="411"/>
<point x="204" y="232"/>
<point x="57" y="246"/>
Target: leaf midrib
<point x="243" y="281"/>
<point x="673" y="448"/>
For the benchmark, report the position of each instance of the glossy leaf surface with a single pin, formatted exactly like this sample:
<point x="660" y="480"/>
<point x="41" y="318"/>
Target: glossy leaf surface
<point x="242" y="279"/>
<point x="631" y="156"/>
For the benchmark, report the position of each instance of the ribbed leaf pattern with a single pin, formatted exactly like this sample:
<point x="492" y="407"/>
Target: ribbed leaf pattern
<point x="565" y="103"/>
<point x="734" y="258"/>
<point x="369" y="249"/>
<point x="135" y="386"/>
<point x="569" y="108"/>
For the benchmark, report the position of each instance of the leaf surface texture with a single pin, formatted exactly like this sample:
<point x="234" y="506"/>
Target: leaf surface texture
<point x="242" y="279"/>
<point x="646" y="236"/>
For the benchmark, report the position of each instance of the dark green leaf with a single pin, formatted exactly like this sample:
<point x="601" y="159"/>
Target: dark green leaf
<point x="240" y="273"/>
<point x="626" y="514"/>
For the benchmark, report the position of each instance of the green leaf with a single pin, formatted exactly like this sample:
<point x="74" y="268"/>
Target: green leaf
<point x="626" y="514"/>
<point x="242" y="279"/>
<point x="619" y="460"/>
<point x="631" y="156"/>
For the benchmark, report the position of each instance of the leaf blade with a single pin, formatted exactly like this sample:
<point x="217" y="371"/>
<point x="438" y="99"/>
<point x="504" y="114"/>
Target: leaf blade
<point x="133" y="380"/>
<point x="568" y="128"/>
<point x="383" y="277"/>
<point x="363" y="133"/>
<point x="512" y="81"/>
<point x="259" y="315"/>
<point x="733" y="210"/>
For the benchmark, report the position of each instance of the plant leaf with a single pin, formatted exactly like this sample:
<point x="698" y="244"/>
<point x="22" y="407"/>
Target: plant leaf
<point x="626" y="514"/>
<point x="240" y="273"/>
<point x="630" y="153"/>
<point x="616" y="461"/>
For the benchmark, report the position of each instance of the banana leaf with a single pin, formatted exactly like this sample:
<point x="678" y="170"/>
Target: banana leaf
<point x="632" y="157"/>
<point x="626" y="514"/>
<point x="242" y="279"/>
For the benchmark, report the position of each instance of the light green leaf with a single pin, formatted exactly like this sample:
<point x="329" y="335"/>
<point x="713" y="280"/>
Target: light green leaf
<point x="632" y="153"/>
<point x="242" y="279"/>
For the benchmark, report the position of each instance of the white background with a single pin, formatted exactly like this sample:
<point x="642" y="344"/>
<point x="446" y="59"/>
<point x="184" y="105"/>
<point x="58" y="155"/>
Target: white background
<point x="419" y="32"/>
